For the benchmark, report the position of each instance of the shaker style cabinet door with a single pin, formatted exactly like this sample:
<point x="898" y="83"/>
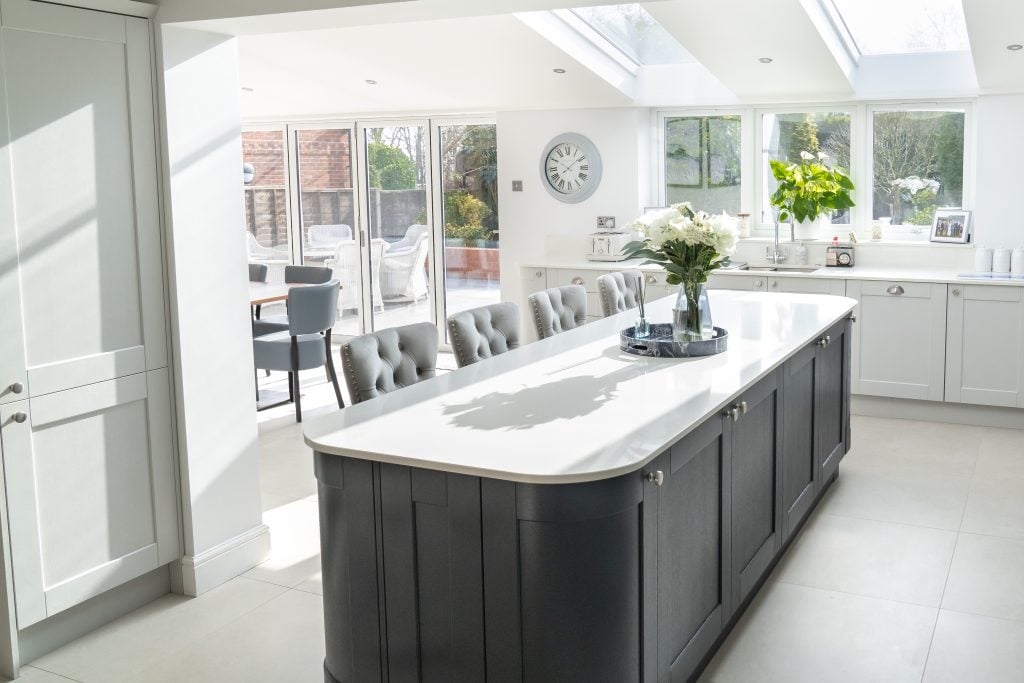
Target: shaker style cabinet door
<point x="899" y="341"/>
<point x="83" y="298"/>
<point x="89" y="476"/>
<point x="986" y="334"/>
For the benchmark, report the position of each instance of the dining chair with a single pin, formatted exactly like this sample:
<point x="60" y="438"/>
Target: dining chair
<point x="558" y="309"/>
<point x="483" y="332"/>
<point x="293" y="275"/>
<point x="383" y="361"/>
<point x="619" y="291"/>
<point x="306" y="344"/>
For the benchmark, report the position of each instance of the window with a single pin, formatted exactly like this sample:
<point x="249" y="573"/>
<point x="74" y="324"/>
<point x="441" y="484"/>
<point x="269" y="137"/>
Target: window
<point x="703" y="161"/>
<point x="917" y="164"/>
<point x="887" y="27"/>
<point x="785" y="136"/>
<point x="635" y="33"/>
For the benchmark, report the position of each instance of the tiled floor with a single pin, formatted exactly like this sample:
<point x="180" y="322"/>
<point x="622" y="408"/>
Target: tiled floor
<point x="911" y="569"/>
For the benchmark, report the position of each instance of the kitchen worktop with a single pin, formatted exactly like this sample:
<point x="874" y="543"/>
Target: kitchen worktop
<point x="573" y="408"/>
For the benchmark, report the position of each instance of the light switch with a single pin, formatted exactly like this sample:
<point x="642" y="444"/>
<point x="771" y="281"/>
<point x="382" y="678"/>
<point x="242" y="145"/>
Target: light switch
<point x="517" y="185"/>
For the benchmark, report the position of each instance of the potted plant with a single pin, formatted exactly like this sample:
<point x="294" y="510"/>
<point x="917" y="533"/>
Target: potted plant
<point x="689" y="245"/>
<point x="809" y="191"/>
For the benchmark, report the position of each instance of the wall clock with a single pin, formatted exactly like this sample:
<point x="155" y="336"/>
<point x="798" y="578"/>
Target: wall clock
<point x="570" y="167"/>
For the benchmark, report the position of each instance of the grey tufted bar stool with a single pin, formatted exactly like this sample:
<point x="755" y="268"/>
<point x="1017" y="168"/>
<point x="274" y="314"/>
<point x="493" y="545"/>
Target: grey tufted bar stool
<point x="381" y="362"/>
<point x="619" y="291"/>
<point x="558" y="309"/>
<point x="483" y="332"/>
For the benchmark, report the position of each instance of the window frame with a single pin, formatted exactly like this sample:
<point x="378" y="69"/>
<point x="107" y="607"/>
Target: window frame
<point x="746" y="156"/>
<point x="967" y="200"/>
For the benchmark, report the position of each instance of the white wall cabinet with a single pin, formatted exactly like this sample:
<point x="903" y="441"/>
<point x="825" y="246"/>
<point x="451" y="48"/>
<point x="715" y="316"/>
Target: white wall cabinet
<point x="984" y="363"/>
<point x="899" y="340"/>
<point x="85" y="411"/>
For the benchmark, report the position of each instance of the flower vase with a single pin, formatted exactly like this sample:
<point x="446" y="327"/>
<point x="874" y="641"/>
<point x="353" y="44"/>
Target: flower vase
<point x="691" y="316"/>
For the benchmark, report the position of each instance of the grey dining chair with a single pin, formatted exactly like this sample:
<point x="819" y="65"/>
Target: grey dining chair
<point x="483" y="332"/>
<point x="558" y="309"/>
<point x="383" y="361"/>
<point x="293" y="275"/>
<point x="258" y="272"/>
<point x="619" y="291"/>
<point x="306" y="344"/>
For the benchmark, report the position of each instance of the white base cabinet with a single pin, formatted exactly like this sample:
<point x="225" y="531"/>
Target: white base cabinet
<point x="899" y="339"/>
<point x="985" y="361"/>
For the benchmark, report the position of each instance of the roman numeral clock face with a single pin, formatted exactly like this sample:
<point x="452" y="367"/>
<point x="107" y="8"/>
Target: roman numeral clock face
<point x="571" y="168"/>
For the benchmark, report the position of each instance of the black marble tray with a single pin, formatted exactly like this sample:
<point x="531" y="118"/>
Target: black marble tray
<point x="661" y="344"/>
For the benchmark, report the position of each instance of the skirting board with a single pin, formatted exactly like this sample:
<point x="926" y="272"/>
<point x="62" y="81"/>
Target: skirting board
<point x="935" y="411"/>
<point x="223" y="562"/>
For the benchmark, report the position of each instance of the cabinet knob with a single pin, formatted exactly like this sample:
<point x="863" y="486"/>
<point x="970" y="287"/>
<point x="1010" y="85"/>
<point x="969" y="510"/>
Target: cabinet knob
<point x="651" y="280"/>
<point x="577" y="280"/>
<point x="956" y="292"/>
<point x="658" y="477"/>
<point x="17" y="388"/>
<point x="895" y="290"/>
<point x="19" y="417"/>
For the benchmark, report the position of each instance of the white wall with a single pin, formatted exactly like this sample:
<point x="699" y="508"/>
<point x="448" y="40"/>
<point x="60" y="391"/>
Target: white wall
<point x="534" y="225"/>
<point x="998" y="182"/>
<point x="219" y="454"/>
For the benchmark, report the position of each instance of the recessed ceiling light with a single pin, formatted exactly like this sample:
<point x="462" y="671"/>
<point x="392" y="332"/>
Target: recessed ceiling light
<point x="765" y="60"/>
<point x="1015" y="47"/>
<point x="370" y="81"/>
<point x="559" y="71"/>
<point x="246" y="88"/>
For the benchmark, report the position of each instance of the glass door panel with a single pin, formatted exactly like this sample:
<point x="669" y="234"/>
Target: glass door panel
<point x="469" y="211"/>
<point x="327" y="214"/>
<point x="398" y="225"/>
<point x="265" y="188"/>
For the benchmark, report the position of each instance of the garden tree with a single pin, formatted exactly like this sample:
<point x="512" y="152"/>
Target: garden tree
<point x="390" y="168"/>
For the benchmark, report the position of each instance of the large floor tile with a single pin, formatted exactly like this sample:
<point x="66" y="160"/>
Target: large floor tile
<point x="295" y="545"/>
<point x="793" y="634"/>
<point x="968" y="647"/>
<point x="925" y="500"/>
<point x="987" y="577"/>
<point x="119" y="650"/>
<point x="283" y="640"/>
<point x="914" y="447"/>
<point x="1001" y="454"/>
<point x="876" y="559"/>
<point x="995" y="507"/>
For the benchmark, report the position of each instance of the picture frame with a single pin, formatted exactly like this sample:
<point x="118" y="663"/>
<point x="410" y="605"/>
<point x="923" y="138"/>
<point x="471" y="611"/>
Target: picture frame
<point x="951" y="226"/>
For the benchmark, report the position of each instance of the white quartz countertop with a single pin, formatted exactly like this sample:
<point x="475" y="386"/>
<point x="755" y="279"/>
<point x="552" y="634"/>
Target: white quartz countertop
<point x="934" y="275"/>
<point x="574" y="408"/>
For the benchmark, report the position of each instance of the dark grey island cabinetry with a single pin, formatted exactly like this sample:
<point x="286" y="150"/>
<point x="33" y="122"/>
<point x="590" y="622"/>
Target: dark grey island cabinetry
<point x="435" y="572"/>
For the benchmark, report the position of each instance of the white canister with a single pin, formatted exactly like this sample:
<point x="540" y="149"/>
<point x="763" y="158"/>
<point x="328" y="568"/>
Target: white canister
<point x="982" y="260"/>
<point x="1017" y="261"/>
<point x="1001" y="260"/>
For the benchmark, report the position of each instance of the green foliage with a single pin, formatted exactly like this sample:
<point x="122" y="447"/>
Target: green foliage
<point x="462" y="208"/>
<point x="390" y="168"/>
<point x="809" y="189"/>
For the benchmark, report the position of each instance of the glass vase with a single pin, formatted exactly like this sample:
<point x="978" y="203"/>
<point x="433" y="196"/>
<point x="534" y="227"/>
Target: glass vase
<point x="691" y="316"/>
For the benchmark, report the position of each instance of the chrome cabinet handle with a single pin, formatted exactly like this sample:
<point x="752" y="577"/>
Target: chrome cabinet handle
<point x="17" y="388"/>
<point x="577" y="280"/>
<point x="19" y="417"/>
<point x="956" y="292"/>
<point x="651" y="280"/>
<point x="895" y="290"/>
<point x="658" y="477"/>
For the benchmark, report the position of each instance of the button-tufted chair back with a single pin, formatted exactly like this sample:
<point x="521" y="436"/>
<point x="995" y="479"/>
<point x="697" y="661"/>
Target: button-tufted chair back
<point x="558" y="309"/>
<point x="619" y="291"/>
<point x="378" y="363"/>
<point x="483" y="332"/>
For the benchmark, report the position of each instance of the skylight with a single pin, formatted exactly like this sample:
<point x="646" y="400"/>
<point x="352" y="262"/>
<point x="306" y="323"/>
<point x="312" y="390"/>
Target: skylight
<point x="881" y="27"/>
<point x="635" y="33"/>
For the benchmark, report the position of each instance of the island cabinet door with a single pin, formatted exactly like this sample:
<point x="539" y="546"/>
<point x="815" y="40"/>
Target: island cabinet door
<point x="832" y="400"/>
<point x="756" y="434"/>
<point x="688" y="515"/>
<point x="799" y="463"/>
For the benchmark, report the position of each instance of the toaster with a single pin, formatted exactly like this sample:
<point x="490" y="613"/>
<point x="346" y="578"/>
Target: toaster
<point x="607" y="246"/>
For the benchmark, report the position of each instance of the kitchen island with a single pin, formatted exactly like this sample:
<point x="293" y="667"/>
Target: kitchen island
<point x="568" y="512"/>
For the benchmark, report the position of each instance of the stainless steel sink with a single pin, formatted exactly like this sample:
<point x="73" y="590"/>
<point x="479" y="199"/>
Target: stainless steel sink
<point x="783" y="269"/>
